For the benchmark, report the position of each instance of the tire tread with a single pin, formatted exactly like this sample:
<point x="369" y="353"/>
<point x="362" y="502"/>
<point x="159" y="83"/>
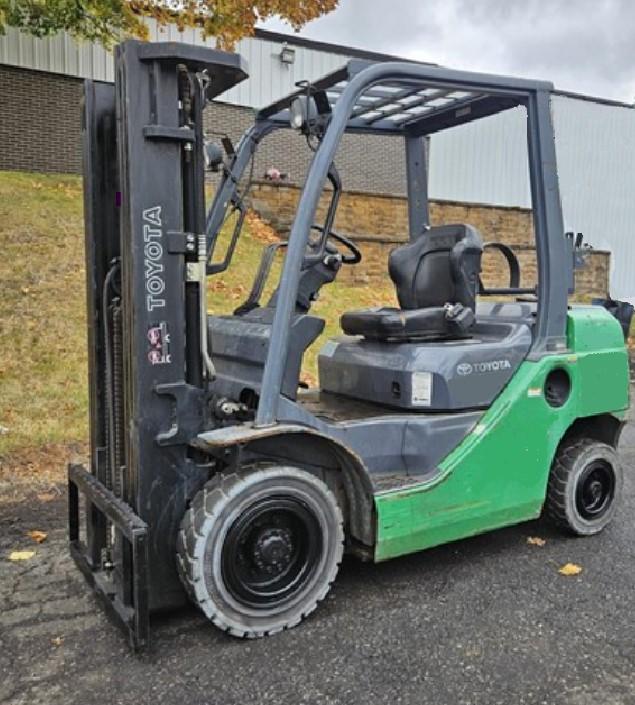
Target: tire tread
<point x="562" y="469"/>
<point x="202" y="508"/>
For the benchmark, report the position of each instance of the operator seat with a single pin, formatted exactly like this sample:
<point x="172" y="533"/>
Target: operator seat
<point x="436" y="278"/>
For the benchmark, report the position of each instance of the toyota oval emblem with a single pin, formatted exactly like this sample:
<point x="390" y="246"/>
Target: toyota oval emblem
<point x="464" y="369"/>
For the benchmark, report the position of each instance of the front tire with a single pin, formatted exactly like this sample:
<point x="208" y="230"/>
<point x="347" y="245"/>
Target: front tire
<point x="259" y="549"/>
<point x="585" y="485"/>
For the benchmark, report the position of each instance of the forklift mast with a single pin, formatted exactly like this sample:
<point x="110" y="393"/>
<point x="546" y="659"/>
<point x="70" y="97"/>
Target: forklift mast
<point x="145" y="221"/>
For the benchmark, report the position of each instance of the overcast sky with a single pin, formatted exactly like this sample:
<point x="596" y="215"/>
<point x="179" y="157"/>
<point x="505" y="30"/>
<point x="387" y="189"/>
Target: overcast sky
<point x="586" y="46"/>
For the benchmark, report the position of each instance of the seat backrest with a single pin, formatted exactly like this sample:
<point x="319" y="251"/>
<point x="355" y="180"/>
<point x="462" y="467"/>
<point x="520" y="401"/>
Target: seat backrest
<point x="441" y="266"/>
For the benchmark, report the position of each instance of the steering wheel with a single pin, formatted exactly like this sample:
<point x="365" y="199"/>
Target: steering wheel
<point x="354" y="255"/>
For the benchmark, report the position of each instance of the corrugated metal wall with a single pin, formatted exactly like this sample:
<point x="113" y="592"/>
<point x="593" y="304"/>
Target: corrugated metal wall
<point x="269" y="77"/>
<point x="58" y="54"/>
<point x="486" y="162"/>
<point x="483" y="162"/>
<point x="595" y="144"/>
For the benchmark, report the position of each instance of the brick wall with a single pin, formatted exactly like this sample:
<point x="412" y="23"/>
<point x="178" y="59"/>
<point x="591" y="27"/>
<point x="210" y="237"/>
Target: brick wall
<point x="365" y="162"/>
<point x="40" y="131"/>
<point x="379" y="223"/>
<point x="39" y="121"/>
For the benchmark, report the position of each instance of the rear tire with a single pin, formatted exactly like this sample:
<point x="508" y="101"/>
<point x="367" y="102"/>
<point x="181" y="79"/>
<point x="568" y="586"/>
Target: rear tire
<point x="259" y="549"/>
<point x="585" y="485"/>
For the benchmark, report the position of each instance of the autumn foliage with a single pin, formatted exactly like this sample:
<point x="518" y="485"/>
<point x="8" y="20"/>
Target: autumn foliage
<point x="108" y="21"/>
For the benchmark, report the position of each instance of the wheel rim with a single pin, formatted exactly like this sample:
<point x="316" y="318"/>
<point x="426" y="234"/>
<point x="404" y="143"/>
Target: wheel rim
<point x="595" y="490"/>
<point x="271" y="551"/>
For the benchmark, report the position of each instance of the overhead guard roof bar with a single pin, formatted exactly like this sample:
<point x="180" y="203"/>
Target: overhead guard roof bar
<point x="409" y="106"/>
<point x="388" y="100"/>
<point x="418" y="102"/>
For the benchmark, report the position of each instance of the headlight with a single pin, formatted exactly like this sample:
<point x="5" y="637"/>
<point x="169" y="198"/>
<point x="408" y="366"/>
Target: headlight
<point x="297" y="113"/>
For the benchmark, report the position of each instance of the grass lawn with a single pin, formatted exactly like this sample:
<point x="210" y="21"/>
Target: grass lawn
<point x="43" y="394"/>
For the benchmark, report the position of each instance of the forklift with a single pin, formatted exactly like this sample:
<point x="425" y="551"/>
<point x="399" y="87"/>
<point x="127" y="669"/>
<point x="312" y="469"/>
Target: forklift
<point x="214" y="474"/>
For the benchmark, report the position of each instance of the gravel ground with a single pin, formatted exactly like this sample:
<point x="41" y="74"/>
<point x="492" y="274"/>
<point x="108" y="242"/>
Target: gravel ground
<point x="486" y="620"/>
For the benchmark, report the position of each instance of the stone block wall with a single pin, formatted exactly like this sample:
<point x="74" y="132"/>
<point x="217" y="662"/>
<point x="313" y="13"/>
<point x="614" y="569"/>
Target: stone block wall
<point x="378" y="223"/>
<point x="385" y="216"/>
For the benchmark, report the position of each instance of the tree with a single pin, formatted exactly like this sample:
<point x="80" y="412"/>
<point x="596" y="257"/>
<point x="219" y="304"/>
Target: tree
<point x="108" y="21"/>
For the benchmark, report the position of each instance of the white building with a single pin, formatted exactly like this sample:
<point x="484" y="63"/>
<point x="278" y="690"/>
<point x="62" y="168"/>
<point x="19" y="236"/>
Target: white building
<point x="483" y="162"/>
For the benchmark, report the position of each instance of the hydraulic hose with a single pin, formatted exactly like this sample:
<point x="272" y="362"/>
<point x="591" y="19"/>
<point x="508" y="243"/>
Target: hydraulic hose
<point x="108" y="369"/>
<point x="208" y="365"/>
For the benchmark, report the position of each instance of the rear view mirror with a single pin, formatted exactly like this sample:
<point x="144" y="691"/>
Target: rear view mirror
<point x="213" y="156"/>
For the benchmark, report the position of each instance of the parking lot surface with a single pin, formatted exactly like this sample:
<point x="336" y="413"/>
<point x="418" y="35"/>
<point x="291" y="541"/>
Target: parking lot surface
<point x="486" y="620"/>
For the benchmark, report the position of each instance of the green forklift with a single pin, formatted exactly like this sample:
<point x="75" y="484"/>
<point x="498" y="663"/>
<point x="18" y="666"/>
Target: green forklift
<point x="214" y="473"/>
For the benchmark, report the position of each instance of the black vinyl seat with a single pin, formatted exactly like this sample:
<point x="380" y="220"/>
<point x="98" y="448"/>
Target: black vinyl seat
<point x="436" y="278"/>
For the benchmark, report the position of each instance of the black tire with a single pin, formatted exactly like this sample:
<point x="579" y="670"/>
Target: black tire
<point x="259" y="549"/>
<point x="585" y="485"/>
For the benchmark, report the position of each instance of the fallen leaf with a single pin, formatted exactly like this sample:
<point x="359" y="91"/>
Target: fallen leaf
<point x="259" y="229"/>
<point x="536" y="541"/>
<point x="570" y="569"/>
<point x="308" y="379"/>
<point x="46" y="496"/>
<point x="21" y="555"/>
<point x="37" y="536"/>
<point x="57" y="640"/>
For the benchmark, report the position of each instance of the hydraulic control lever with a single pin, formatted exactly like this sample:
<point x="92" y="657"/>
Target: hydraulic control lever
<point x="253" y="300"/>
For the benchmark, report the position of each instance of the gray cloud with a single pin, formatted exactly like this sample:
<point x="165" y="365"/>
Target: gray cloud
<point x="587" y="46"/>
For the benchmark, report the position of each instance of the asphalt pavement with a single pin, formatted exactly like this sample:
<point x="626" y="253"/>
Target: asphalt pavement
<point x="486" y="620"/>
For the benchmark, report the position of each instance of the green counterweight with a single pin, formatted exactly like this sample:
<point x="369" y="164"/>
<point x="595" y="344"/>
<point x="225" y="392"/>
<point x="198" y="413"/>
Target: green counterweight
<point x="498" y="475"/>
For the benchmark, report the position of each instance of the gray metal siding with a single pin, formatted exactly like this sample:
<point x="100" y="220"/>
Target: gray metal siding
<point x="269" y="77"/>
<point x="482" y="162"/>
<point x="596" y="163"/>
<point x="486" y="162"/>
<point x="58" y="54"/>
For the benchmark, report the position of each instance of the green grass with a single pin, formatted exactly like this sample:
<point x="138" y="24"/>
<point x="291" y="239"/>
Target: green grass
<point x="43" y="384"/>
<point x="42" y="313"/>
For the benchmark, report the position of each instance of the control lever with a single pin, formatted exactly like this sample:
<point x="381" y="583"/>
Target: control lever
<point x="460" y="317"/>
<point x="253" y="300"/>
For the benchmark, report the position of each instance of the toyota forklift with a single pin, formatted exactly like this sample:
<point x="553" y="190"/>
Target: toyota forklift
<point x="214" y="474"/>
